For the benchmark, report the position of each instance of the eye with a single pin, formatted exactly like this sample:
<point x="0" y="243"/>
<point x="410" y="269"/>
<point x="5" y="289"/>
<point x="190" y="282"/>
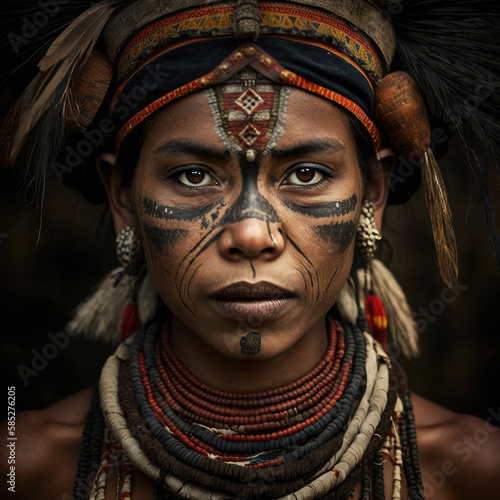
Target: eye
<point x="304" y="176"/>
<point x="196" y="177"/>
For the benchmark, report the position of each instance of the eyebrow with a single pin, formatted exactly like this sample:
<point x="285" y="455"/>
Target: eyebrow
<point x="314" y="146"/>
<point x="182" y="147"/>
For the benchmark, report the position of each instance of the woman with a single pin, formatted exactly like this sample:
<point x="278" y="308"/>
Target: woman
<point x="248" y="177"/>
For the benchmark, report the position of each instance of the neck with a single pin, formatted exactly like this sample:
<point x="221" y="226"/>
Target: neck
<point x="248" y="375"/>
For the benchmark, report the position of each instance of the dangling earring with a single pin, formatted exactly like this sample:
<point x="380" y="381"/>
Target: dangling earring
<point x="129" y="250"/>
<point x="367" y="238"/>
<point x="131" y="257"/>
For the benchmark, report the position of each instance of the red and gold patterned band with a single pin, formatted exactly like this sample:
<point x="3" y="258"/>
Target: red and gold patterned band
<point x="275" y="20"/>
<point x="344" y="67"/>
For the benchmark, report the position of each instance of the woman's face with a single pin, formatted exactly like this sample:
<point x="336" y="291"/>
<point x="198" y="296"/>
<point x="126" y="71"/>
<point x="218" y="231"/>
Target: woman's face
<point x="249" y="250"/>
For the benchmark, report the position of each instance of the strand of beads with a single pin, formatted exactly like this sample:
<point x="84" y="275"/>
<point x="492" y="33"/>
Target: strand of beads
<point x="294" y="456"/>
<point x="92" y="438"/>
<point x="288" y="412"/>
<point x="408" y="436"/>
<point x="240" y="443"/>
<point x="245" y="400"/>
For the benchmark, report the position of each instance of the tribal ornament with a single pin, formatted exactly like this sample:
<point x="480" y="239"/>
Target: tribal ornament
<point x="129" y="250"/>
<point x="367" y="234"/>
<point x="249" y="111"/>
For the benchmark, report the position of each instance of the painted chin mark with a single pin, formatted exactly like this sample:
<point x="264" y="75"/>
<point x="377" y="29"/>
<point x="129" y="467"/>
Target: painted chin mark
<point x="164" y="237"/>
<point x="340" y="234"/>
<point x="329" y="209"/>
<point x="155" y="209"/>
<point x="250" y="344"/>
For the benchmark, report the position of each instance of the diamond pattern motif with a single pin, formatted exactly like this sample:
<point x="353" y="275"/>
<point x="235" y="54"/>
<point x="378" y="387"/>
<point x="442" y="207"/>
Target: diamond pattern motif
<point x="249" y="101"/>
<point x="249" y="134"/>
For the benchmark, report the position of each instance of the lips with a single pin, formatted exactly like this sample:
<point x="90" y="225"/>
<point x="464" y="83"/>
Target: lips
<point x="252" y="301"/>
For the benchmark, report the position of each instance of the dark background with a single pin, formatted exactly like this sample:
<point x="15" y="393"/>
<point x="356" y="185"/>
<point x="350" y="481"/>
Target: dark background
<point x="42" y="283"/>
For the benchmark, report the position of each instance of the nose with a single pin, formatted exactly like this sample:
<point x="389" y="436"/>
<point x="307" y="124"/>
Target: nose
<point x="251" y="239"/>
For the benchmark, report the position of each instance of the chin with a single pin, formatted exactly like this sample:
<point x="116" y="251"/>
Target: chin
<point x="251" y="344"/>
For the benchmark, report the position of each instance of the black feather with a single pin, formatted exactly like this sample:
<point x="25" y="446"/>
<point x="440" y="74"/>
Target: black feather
<point x="26" y="31"/>
<point x="452" y="50"/>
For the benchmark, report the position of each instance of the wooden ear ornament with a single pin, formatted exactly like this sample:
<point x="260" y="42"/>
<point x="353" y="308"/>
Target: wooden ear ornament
<point x="402" y="117"/>
<point x="88" y="90"/>
<point x="401" y="113"/>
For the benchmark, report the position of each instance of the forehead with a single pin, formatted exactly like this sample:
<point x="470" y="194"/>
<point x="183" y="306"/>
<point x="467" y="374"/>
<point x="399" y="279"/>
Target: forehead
<point x="307" y="117"/>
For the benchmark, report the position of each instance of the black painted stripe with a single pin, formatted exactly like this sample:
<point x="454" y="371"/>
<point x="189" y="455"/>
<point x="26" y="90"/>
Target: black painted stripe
<point x="159" y="211"/>
<point x="328" y="209"/>
<point x="164" y="237"/>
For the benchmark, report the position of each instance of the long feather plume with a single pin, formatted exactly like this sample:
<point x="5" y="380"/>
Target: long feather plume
<point x="436" y="199"/>
<point x="71" y="48"/>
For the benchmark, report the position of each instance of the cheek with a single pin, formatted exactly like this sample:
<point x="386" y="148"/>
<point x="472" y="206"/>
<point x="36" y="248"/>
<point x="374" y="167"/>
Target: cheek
<point x="322" y="244"/>
<point x="337" y="235"/>
<point x="177" y="242"/>
<point x="163" y="257"/>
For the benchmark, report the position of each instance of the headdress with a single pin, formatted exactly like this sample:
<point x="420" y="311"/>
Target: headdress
<point x="117" y="62"/>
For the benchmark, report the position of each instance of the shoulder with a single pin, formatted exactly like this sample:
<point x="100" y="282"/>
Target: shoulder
<point x="46" y="449"/>
<point x="459" y="454"/>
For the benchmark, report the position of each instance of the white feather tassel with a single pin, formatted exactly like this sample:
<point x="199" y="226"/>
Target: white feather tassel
<point x="400" y="321"/>
<point x="147" y="298"/>
<point x="401" y="324"/>
<point x="346" y="303"/>
<point x="100" y="316"/>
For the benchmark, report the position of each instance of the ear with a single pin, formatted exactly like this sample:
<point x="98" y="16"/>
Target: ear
<point x="378" y="181"/>
<point x="119" y="196"/>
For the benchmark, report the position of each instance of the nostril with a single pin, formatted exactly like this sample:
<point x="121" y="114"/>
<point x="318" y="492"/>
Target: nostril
<point x="238" y="251"/>
<point x="250" y="238"/>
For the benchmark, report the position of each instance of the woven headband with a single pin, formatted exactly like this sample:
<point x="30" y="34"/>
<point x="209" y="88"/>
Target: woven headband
<point x="197" y="49"/>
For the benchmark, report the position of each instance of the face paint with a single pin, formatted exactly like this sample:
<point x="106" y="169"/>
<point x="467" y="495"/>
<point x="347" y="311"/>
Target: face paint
<point x="339" y="234"/>
<point x="250" y="344"/>
<point x="302" y="248"/>
<point x="328" y="209"/>
<point x="314" y="289"/>
<point x="252" y="267"/>
<point x="155" y="209"/>
<point x="250" y="204"/>
<point x="163" y="237"/>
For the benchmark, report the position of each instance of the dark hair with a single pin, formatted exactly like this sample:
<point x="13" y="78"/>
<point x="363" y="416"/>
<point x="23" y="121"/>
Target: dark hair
<point x="362" y="141"/>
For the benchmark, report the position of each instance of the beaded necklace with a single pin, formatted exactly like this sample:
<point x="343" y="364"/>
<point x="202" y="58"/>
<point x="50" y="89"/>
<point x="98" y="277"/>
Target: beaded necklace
<point x="313" y="438"/>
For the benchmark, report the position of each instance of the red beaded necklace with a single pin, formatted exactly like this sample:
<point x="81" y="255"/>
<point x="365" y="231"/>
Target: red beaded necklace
<point x="244" y="417"/>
